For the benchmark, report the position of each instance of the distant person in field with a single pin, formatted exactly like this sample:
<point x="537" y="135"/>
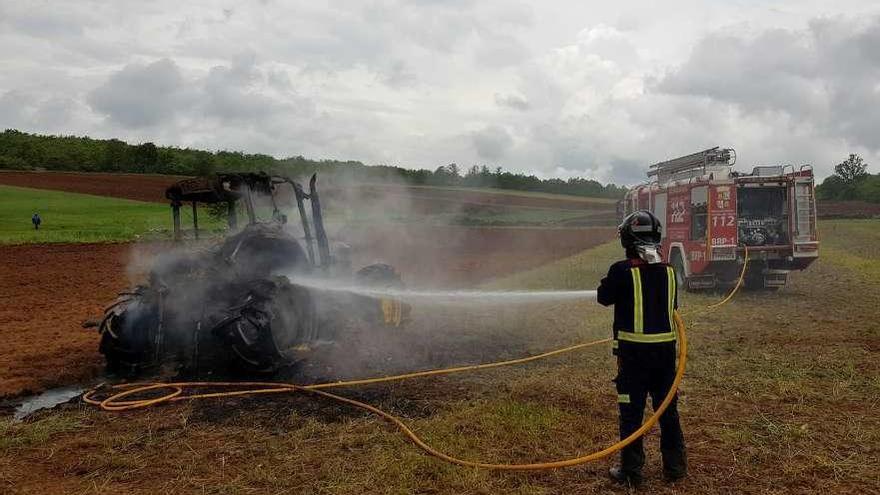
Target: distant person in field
<point x="643" y="291"/>
<point x="36" y="220"/>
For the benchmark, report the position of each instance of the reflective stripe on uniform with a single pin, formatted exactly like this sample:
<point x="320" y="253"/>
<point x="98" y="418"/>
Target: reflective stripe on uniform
<point x="615" y="344"/>
<point x="670" y="307"/>
<point x="623" y="398"/>
<point x="638" y="316"/>
<point x="645" y="338"/>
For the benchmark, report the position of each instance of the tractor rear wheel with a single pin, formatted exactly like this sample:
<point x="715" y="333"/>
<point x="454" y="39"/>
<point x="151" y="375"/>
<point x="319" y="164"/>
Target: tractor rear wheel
<point x="128" y="333"/>
<point x="265" y="333"/>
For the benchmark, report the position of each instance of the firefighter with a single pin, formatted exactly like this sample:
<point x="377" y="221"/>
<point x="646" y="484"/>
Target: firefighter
<point x="643" y="291"/>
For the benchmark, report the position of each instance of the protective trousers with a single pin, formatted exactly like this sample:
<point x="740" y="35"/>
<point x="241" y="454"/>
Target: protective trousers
<point x="649" y="369"/>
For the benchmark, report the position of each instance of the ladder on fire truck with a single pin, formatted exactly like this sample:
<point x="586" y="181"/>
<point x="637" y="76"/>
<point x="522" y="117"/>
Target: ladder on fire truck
<point x="692" y="165"/>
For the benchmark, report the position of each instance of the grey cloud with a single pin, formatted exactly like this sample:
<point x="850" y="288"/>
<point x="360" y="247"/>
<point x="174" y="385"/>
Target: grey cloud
<point x="514" y="13"/>
<point x="574" y="152"/>
<point x="777" y="70"/>
<point x="492" y="142"/>
<point x="450" y="4"/>
<point x="141" y="95"/>
<point x="399" y="75"/>
<point x="147" y="95"/>
<point x="515" y="102"/>
<point x="279" y="80"/>
<point x="55" y="113"/>
<point x="238" y="93"/>
<point x="442" y="28"/>
<point x="500" y="50"/>
<point x="228" y="94"/>
<point x="824" y="76"/>
<point x="608" y="43"/>
<point x="228" y="101"/>
<point x="627" y="171"/>
<point x="43" y="21"/>
<point x="16" y="109"/>
<point x="28" y="111"/>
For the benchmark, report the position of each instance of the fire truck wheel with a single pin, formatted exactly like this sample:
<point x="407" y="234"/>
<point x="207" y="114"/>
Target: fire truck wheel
<point x="754" y="279"/>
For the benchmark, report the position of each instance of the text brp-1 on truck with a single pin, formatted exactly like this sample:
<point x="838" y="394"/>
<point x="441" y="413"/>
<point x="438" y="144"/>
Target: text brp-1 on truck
<point x="712" y="213"/>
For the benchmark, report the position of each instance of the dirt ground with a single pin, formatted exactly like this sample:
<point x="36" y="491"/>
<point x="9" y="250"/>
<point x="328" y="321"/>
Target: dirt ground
<point x="780" y="397"/>
<point x="451" y="256"/>
<point x="141" y="187"/>
<point x="437" y="197"/>
<point x="47" y="291"/>
<point x="848" y="209"/>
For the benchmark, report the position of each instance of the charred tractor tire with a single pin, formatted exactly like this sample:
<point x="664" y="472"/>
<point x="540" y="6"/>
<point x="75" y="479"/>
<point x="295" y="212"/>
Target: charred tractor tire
<point x="263" y="333"/>
<point x="128" y="332"/>
<point x="262" y="249"/>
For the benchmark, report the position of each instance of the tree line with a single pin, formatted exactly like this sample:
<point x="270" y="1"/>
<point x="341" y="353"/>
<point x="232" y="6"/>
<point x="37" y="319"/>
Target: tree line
<point x="24" y="151"/>
<point x="851" y="181"/>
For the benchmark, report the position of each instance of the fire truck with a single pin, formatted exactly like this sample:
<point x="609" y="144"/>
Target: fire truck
<point x="713" y="214"/>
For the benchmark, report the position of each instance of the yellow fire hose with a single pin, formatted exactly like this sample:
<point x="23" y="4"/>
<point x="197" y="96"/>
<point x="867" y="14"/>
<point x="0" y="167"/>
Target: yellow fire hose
<point x="115" y="403"/>
<point x="739" y="282"/>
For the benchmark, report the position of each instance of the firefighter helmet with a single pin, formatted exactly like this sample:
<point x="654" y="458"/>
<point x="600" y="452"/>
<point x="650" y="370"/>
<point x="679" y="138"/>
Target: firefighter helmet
<point x="640" y="228"/>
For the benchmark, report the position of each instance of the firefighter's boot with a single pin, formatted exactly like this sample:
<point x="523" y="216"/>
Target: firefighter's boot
<point x="629" y="478"/>
<point x="674" y="463"/>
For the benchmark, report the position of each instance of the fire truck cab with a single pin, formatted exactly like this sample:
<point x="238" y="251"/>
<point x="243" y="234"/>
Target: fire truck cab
<point x="711" y="214"/>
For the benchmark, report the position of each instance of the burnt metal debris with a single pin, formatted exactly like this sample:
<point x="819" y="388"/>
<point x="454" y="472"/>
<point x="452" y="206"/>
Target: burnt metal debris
<point x="235" y="306"/>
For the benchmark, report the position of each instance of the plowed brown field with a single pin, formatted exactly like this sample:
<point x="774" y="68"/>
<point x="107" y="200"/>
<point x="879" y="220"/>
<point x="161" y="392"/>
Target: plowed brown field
<point x="142" y="187"/>
<point x="437" y="196"/>
<point x="451" y="256"/>
<point x="46" y="292"/>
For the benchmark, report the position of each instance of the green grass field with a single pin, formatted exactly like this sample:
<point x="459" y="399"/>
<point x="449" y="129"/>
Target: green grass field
<point x="853" y="244"/>
<point x="71" y="217"/>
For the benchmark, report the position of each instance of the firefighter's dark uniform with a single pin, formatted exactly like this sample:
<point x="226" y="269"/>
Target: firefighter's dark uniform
<point x="644" y="296"/>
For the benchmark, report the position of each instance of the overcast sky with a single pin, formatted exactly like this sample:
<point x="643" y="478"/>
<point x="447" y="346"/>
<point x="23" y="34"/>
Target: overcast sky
<point x="575" y="88"/>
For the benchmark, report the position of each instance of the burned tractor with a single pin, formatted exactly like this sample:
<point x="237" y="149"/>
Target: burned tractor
<point x="235" y="305"/>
